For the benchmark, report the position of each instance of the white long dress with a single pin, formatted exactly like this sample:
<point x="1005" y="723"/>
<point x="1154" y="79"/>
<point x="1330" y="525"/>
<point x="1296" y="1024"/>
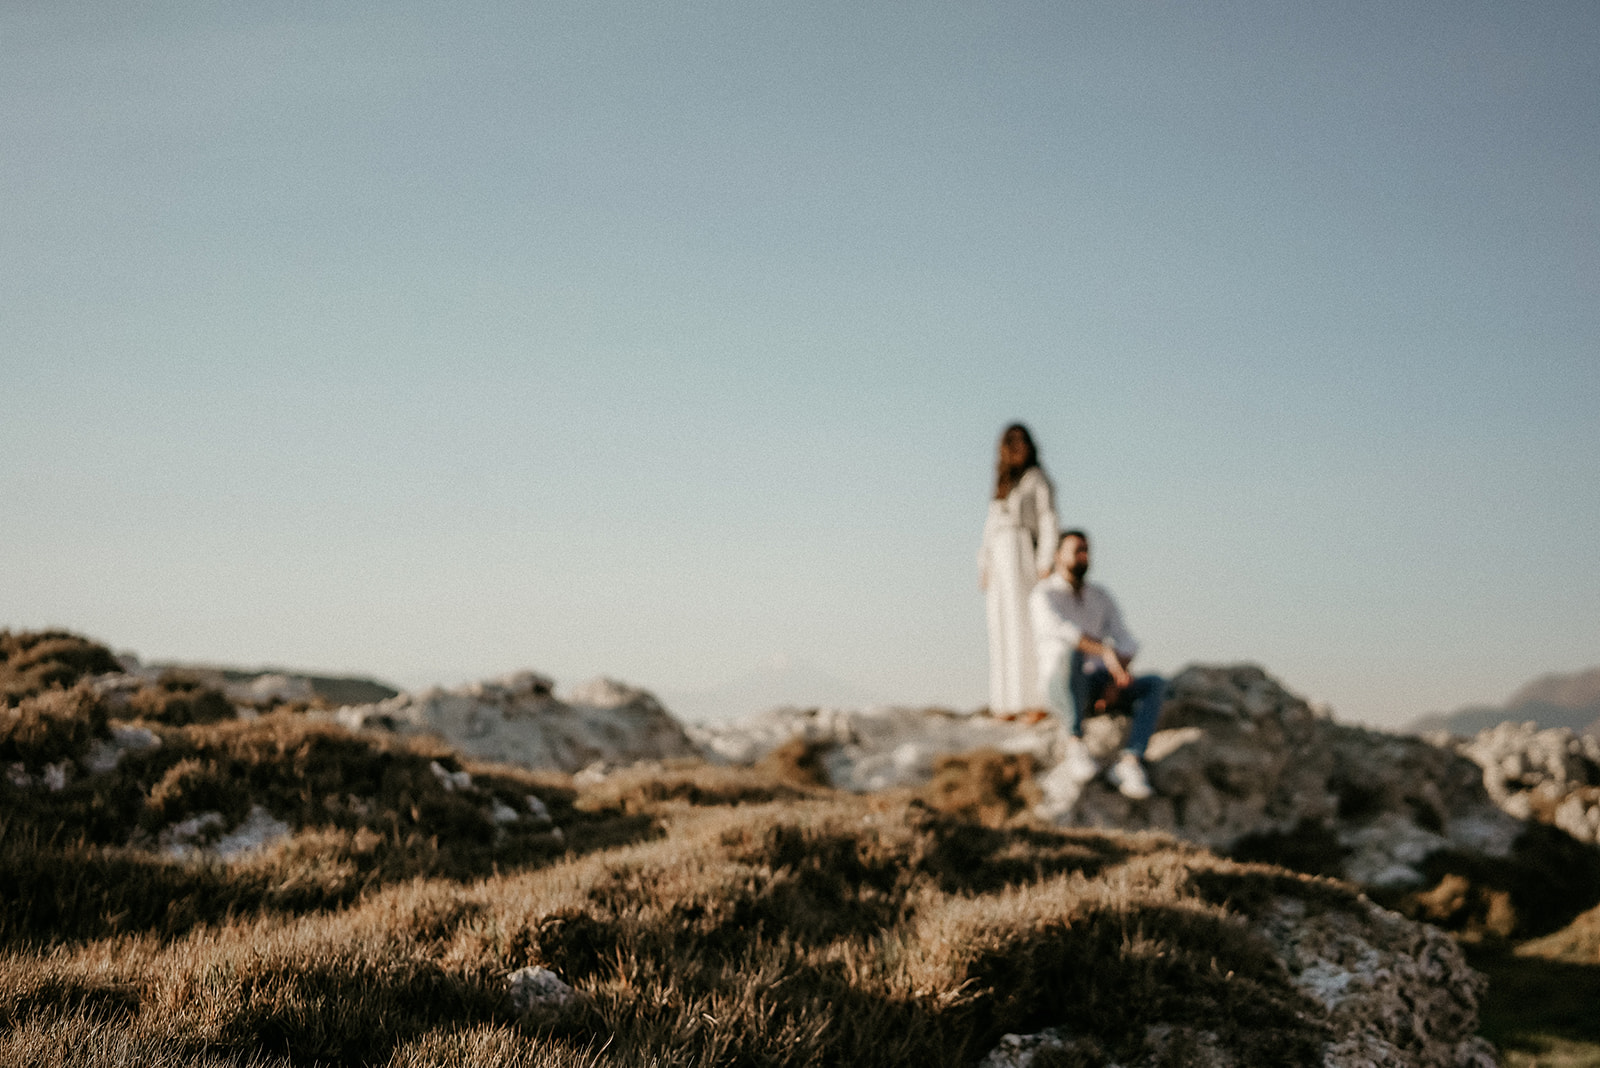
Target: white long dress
<point x="1019" y="541"/>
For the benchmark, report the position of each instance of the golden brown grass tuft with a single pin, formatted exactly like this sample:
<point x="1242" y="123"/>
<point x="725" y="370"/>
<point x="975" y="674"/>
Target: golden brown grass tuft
<point x="1542" y="996"/>
<point x="33" y="662"/>
<point x="51" y="726"/>
<point x="178" y="698"/>
<point x="645" y="787"/>
<point x="985" y="786"/>
<point x="1578" y="942"/>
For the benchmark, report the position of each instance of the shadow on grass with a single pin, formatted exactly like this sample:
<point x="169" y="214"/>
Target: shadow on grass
<point x="82" y="892"/>
<point x="1540" y="1011"/>
<point x="1108" y="973"/>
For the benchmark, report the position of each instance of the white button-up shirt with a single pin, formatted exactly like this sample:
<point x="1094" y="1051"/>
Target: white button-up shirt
<point x="1061" y="617"/>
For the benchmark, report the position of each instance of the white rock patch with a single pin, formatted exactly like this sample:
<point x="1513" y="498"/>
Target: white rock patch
<point x="518" y="719"/>
<point x="105" y="754"/>
<point x="203" y="835"/>
<point x="537" y="988"/>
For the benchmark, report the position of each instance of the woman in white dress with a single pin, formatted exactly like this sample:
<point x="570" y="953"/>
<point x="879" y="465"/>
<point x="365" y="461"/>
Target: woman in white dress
<point x="1019" y="547"/>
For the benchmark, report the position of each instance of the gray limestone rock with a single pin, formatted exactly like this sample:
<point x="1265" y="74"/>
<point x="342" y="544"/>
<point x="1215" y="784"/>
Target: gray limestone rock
<point x="1239" y="757"/>
<point x="539" y="990"/>
<point x="518" y="719"/>
<point x="875" y="748"/>
<point x="1552" y="775"/>
<point x="1388" y="991"/>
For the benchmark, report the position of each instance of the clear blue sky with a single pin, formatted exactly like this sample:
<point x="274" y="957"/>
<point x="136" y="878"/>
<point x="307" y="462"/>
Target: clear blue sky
<point x="435" y="340"/>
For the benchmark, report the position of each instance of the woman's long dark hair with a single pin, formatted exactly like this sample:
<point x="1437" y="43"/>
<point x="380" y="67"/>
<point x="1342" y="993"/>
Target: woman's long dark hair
<point x="1008" y="475"/>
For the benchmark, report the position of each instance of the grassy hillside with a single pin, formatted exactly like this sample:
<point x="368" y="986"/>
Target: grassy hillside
<point x="796" y="933"/>
<point x="703" y="915"/>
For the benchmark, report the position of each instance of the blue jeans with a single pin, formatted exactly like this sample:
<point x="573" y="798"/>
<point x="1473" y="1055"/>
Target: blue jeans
<point x="1073" y="691"/>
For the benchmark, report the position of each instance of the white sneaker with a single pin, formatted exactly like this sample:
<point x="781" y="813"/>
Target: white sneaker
<point x="1128" y="776"/>
<point x="1076" y="763"/>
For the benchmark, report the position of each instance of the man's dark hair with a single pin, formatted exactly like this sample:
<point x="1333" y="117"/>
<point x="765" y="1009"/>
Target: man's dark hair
<point x="1073" y="533"/>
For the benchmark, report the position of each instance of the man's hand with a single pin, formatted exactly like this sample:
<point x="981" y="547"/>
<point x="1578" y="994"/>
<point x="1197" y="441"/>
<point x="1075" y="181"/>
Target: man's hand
<point x="1108" y="697"/>
<point x="1116" y="663"/>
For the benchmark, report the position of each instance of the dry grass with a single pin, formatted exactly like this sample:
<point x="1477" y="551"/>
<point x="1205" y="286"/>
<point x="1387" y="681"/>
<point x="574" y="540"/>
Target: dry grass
<point x="31" y="663"/>
<point x="985" y="786"/>
<point x="824" y="931"/>
<point x="77" y="863"/>
<point x="179" y="698"/>
<point x="45" y="728"/>
<point x="707" y="916"/>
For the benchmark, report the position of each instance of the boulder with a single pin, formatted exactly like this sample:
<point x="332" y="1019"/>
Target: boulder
<point x="518" y="719"/>
<point x="1390" y="992"/>
<point x="1240" y="765"/>
<point x="1243" y="765"/>
<point x="1550" y="775"/>
<point x="538" y="990"/>
<point x="874" y="748"/>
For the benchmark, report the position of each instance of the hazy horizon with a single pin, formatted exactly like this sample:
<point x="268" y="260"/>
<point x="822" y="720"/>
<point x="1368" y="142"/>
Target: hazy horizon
<point x="433" y="341"/>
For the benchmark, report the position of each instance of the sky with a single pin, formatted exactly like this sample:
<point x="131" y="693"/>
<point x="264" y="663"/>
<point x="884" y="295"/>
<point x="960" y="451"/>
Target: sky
<point x="433" y="341"/>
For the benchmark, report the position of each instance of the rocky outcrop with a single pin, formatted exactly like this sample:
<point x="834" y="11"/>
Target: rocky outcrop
<point x="1551" y="775"/>
<point x="518" y="719"/>
<point x="1388" y="991"/>
<point x="1242" y="761"/>
<point x="1240" y="765"/>
<point x="1395" y="992"/>
<point x="874" y="748"/>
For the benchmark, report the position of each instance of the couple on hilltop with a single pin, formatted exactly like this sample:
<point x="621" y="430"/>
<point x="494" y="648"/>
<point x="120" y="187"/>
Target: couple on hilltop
<point x="1051" y="631"/>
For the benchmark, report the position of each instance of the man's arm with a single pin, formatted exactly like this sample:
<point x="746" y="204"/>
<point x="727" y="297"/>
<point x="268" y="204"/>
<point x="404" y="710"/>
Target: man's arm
<point x="1117" y="632"/>
<point x="1115" y="646"/>
<point x="1115" y="661"/>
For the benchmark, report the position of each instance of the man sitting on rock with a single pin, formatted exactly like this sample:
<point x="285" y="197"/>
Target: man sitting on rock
<point x="1084" y="652"/>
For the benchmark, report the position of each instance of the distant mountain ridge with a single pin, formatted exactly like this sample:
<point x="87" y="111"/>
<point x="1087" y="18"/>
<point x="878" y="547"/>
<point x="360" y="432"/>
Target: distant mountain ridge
<point x="1555" y="700"/>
